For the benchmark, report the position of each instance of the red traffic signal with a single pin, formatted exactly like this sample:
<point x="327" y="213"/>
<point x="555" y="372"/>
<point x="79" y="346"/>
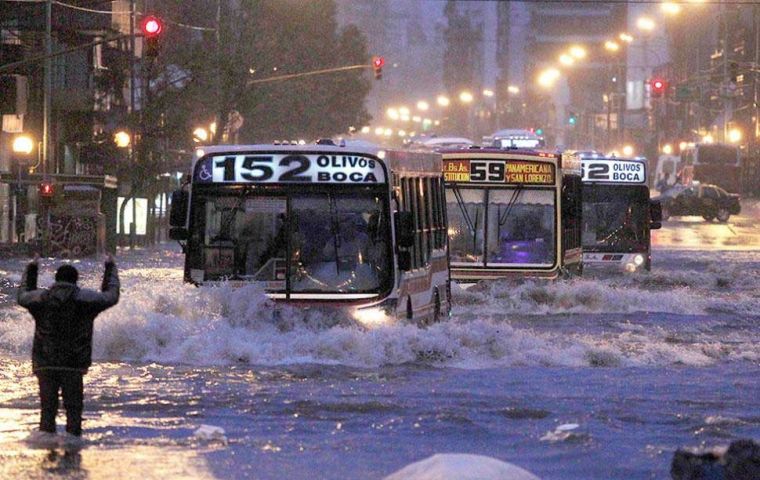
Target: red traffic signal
<point x="46" y="190"/>
<point x="658" y="86"/>
<point x="152" y="26"/>
<point x="377" y="66"/>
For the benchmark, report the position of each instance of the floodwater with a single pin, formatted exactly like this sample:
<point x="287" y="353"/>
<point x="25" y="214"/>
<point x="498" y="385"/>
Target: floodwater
<point x="642" y="363"/>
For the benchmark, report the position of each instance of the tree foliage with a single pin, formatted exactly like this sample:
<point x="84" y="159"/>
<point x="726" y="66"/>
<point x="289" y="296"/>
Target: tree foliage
<point x="260" y="39"/>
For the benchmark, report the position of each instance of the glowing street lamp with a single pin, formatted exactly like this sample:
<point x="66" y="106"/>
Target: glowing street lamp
<point x="200" y="135"/>
<point x="403" y="111"/>
<point x="122" y="139"/>
<point x="628" y="150"/>
<point x="488" y="93"/>
<point x="423" y="106"/>
<point x="514" y="90"/>
<point x="578" y="52"/>
<point x="466" y="97"/>
<point x="734" y="135"/>
<point x="443" y="101"/>
<point x="667" y="149"/>
<point x="670" y="8"/>
<point x="566" y="60"/>
<point x="624" y="37"/>
<point x="645" y="24"/>
<point x="23" y="144"/>
<point x="547" y="77"/>
<point x="611" y="46"/>
<point x="392" y="113"/>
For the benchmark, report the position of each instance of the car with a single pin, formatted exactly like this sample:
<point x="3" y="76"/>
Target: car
<point x="709" y="201"/>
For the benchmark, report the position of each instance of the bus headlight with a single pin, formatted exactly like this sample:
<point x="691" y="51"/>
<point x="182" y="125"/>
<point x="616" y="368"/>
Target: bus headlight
<point x="638" y="260"/>
<point x="372" y="317"/>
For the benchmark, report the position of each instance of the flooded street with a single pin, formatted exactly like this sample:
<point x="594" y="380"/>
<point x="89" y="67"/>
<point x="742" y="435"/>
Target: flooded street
<point x="642" y="363"/>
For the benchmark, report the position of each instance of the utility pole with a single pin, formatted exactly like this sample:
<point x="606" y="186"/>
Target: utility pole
<point x="727" y="99"/>
<point x="133" y="146"/>
<point x="48" y="87"/>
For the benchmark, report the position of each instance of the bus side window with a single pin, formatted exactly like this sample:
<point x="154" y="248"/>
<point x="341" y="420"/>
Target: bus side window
<point x="571" y="212"/>
<point x="436" y="207"/>
<point x="428" y="217"/>
<point x="419" y="215"/>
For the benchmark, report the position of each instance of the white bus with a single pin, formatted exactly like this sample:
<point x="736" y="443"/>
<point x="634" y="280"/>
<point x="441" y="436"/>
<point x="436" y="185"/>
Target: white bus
<point x="320" y="224"/>
<point x="618" y="215"/>
<point x="512" y="213"/>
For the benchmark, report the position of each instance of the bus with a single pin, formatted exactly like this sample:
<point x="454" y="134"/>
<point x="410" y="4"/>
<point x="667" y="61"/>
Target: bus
<point x="618" y="214"/>
<point x="352" y="228"/>
<point x="712" y="163"/>
<point x="512" y="213"/>
<point x="514" y="138"/>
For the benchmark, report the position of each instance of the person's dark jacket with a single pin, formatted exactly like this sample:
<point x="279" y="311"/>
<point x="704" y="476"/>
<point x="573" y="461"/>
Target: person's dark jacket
<point x="63" y="317"/>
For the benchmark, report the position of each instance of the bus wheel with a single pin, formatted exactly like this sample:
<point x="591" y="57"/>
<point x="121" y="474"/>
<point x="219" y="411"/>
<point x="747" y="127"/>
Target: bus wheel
<point x="409" y="311"/>
<point x="723" y="215"/>
<point x="708" y="217"/>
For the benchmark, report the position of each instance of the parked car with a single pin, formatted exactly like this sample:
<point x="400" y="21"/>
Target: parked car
<point x="708" y="201"/>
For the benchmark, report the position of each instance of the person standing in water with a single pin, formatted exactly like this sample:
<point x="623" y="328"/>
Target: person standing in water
<point x="62" y="348"/>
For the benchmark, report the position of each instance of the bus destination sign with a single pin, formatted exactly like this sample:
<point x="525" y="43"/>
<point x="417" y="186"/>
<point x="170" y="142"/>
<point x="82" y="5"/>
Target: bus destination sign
<point x="289" y="168"/>
<point x="498" y="171"/>
<point x="612" y="170"/>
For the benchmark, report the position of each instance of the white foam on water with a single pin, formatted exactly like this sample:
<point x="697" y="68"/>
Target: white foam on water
<point x="161" y="319"/>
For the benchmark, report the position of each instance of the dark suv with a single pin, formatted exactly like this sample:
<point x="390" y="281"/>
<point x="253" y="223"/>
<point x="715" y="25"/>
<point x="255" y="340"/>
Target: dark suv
<point x="709" y="201"/>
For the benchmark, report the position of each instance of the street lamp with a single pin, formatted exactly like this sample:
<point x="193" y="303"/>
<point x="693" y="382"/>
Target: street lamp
<point x="670" y="8"/>
<point x="403" y="111"/>
<point x="734" y="135"/>
<point x="624" y="37"/>
<point x="392" y="113"/>
<point x="566" y="60"/>
<point x="466" y="97"/>
<point x="488" y="93"/>
<point x="611" y="46"/>
<point x="667" y="149"/>
<point x="443" y="101"/>
<point x="122" y="139"/>
<point x="547" y="77"/>
<point x="645" y="24"/>
<point x="200" y="135"/>
<point x="514" y="90"/>
<point x="578" y="52"/>
<point x="423" y="106"/>
<point x="628" y="150"/>
<point x="23" y="144"/>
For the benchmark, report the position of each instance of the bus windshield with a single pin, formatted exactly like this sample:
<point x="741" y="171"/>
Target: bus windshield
<point x="614" y="218"/>
<point x="337" y="242"/>
<point x="501" y="227"/>
<point x="718" y="155"/>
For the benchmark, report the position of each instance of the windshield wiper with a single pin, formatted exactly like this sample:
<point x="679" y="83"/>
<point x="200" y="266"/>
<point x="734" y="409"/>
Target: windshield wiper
<point x="512" y="200"/>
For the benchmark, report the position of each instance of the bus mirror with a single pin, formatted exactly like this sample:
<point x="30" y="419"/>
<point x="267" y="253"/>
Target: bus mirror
<point x="404" y="261"/>
<point x="404" y="229"/>
<point x="178" y="233"/>
<point x="655" y="215"/>
<point x="178" y="213"/>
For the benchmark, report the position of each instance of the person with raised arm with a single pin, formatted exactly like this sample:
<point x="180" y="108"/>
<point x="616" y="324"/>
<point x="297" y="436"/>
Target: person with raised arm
<point x="62" y="349"/>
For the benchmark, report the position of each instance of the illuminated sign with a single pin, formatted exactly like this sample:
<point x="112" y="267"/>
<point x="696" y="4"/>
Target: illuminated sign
<point x="289" y="168"/>
<point x="498" y="171"/>
<point x="614" y="171"/>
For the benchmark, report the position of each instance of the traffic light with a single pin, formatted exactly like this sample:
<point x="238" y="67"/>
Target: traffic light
<point x="572" y="119"/>
<point x="377" y="66"/>
<point x="151" y="29"/>
<point x="657" y="87"/>
<point x="539" y="131"/>
<point x="46" y="192"/>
